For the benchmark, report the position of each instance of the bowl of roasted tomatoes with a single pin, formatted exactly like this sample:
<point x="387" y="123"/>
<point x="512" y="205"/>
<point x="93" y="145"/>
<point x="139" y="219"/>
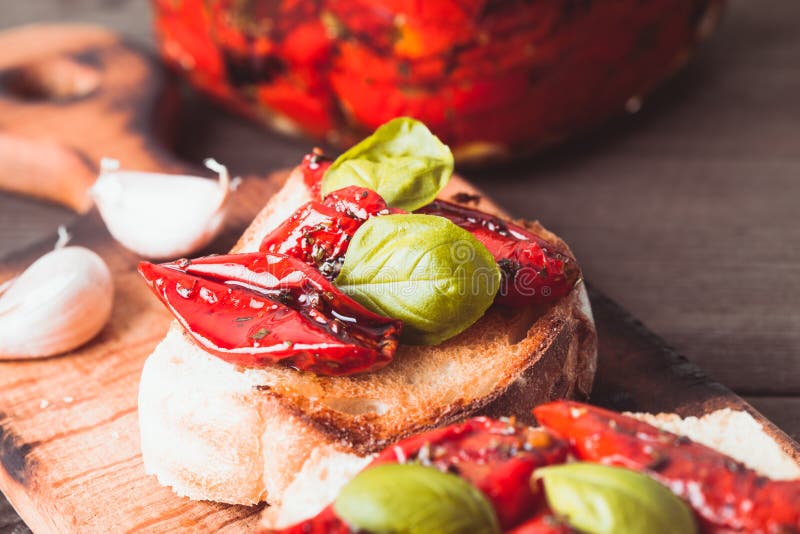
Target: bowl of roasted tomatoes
<point x="492" y="78"/>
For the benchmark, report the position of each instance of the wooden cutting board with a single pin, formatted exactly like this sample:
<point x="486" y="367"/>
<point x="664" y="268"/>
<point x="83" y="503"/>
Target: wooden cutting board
<point x="69" y="453"/>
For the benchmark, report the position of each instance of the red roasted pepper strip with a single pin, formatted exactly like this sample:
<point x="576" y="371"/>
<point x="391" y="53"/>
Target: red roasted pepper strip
<point x="497" y="457"/>
<point x="313" y="168"/>
<point x="727" y="495"/>
<point x="357" y="202"/>
<point x="534" y="270"/>
<point x="318" y="233"/>
<point x="258" y="309"/>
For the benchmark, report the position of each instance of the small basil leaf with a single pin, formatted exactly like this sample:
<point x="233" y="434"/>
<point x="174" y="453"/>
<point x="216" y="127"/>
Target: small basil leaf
<point x="599" y="499"/>
<point x="412" y="499"/>
<point x="422" y="269"/>
<point x="402" y="161"/>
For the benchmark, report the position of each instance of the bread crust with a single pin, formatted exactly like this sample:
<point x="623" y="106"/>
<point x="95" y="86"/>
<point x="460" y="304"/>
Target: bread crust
<point x="213" y="431"/>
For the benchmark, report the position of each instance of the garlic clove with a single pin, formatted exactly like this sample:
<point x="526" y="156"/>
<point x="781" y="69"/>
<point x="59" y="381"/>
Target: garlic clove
<point x="57" y="304"/>
<point x="162" y="215"/>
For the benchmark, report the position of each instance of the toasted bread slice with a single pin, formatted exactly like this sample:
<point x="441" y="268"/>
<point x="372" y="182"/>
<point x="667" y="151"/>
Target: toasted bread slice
<point x="213" y="431"/>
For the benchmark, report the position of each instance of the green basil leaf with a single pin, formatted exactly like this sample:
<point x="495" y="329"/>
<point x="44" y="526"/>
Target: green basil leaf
<point x="412" y="499"/>
<point x="598" y="499"/>
<point x="423" y="269"/>
<point x="402" y="161"/>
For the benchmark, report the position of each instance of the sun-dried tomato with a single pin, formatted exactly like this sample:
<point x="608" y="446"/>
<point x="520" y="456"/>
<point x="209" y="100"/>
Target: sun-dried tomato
<point x="261" y="308"/>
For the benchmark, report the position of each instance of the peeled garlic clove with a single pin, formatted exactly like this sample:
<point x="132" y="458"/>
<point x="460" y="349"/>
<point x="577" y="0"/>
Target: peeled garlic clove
<point x="59" y="303"/>
<point x="162" y="215"/>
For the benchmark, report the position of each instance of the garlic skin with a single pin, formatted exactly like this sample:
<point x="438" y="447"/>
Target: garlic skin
<point x="57" y="304"/>
<point x="162" y="216"/>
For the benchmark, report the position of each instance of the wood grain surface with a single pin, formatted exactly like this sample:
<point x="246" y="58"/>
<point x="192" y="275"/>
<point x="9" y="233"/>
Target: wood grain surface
<point x="684" y="213"/>
<point x="69" y="440"/>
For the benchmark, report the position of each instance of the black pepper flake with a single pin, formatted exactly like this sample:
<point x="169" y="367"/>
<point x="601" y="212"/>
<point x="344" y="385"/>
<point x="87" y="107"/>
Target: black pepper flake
<point x="733" y="466"/>
<point x="658" y="464"/>
<point x="509" y="267"/>
<point x="453" y="469"/>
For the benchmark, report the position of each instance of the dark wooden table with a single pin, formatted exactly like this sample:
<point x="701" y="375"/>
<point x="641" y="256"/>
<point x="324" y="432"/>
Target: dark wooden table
<point x="687" y="213"/>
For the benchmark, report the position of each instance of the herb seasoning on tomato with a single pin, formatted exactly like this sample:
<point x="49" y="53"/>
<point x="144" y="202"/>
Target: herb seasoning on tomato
<point x="318" y="233"/>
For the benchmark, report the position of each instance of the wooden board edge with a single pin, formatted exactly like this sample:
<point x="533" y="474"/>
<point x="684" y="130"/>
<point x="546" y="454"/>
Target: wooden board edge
<point x="703" y="393"/>
<point x="36" y="518"/>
